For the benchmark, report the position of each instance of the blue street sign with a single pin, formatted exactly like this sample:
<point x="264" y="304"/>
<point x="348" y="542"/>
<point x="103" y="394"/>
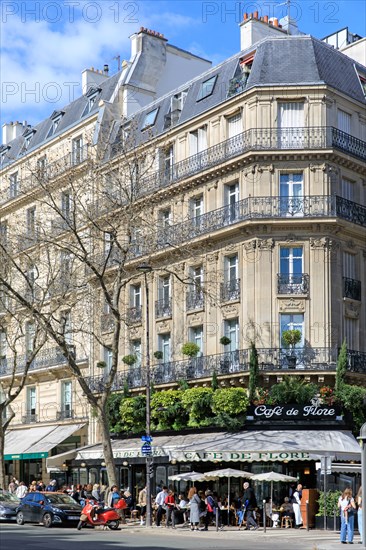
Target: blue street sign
<point x="146" y="449"/>
<point x="146" y="438"/>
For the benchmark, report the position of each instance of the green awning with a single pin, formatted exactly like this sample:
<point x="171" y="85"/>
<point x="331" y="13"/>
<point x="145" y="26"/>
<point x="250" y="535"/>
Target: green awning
<point x="36" y="442"/>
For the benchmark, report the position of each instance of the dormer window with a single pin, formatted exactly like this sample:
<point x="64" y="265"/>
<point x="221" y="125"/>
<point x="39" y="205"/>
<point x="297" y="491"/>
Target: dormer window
<point x="150" y="119"/>
<point x="240" y="80"/>
<point x="3" y="153"/>
<point x="207" y="87"/>
<point x="56" y="118"/>
<point x="27" y="139"/>
<point x="91" y="97"/>
<point x="362" y="82"/>
<point x="176" y="106"/>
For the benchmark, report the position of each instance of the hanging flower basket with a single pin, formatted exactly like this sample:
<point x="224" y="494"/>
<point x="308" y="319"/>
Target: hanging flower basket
<point x="158" y="354"/>
<point x="129" y="359"/>
<point x="225" y="341"/>
<point x="101" y="364"/>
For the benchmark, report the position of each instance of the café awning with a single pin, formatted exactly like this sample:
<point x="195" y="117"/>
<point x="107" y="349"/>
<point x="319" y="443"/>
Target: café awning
<point x="36" y="442"/>
<point x="245" y="446"/>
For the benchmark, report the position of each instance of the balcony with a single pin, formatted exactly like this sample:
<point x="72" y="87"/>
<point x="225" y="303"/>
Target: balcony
<point x="65" y="414"/>
<point x="50" y="171"/>
<point x="271" y="360"/>
<point x="163" y="308"/>
<point x="195" y="300"/>
<point x="29" y="418"/>
<point x="133" y="315"/>
<point x="28" y="239"/>
<point x="106" y="322"/>
<point x="255" y="139"/>
<point x="351" y="289"/>
<point x="230" y="290"/>
<point x="44" y="360"/>
<point x="293" y="284"/>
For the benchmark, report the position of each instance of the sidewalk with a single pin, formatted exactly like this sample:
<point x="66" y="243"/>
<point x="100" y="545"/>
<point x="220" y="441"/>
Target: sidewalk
<point x="313" y="539"/>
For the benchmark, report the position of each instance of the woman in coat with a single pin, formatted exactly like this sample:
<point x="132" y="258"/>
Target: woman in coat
<point x="194" y="507"/>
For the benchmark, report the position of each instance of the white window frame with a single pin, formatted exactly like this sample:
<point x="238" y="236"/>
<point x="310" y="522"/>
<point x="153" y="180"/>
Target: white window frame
<point x="196" y="335"/>
<point x="164" y="345"/>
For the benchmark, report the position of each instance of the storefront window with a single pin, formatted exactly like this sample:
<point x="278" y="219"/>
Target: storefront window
<point x="161" y="479"/>
<point x="83" y="476"/>
<point x="93" y="475"/>
<point x="123" y="478"/>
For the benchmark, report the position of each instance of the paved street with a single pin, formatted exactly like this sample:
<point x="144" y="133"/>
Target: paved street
<point x="34" y="537"/>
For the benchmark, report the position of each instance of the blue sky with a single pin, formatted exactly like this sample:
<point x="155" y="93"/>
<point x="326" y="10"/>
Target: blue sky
<point x="45" y="44"/>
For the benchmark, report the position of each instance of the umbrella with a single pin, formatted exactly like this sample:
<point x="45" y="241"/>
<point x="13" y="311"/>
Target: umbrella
<point x="229" y="473"/>
<point x="190" y="476"/>
<point x="273" y="477"/>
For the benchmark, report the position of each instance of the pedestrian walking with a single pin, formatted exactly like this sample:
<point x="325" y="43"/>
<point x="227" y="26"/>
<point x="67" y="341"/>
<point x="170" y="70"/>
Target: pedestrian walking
<point x="359" y="513"/>
<point x="250" y="502"/>
<point x="194" y="507"/>
<point x="347" y="506"/>
<point x="159" y="501"/>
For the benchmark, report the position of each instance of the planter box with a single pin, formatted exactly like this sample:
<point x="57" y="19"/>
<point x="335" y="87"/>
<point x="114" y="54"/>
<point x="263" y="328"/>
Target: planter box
<point x="319" y="523"/>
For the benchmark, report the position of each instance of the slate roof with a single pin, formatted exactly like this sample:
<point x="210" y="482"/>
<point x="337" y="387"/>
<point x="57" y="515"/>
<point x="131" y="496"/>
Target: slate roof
<point x="72" y="116"/>
<point x="285" y="61"/>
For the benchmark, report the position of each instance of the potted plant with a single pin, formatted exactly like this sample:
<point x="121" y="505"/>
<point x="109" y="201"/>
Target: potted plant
<point x="101" y="364"/>
<point x="190" y="349"/>
<point x="290" y="338"/>
<point x="225" y="341"/>
<point x="158" y="355"/>
<point x="330" y="503"/>
<point x="129" y="359"/>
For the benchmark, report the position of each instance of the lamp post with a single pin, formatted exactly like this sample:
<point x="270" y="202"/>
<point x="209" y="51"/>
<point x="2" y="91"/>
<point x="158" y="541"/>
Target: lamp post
<point x="362" y="439"/>
<point x="146" y="268"/>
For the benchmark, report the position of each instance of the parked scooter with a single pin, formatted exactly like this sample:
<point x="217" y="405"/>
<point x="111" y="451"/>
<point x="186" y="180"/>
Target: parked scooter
<point x="92" y="515"/>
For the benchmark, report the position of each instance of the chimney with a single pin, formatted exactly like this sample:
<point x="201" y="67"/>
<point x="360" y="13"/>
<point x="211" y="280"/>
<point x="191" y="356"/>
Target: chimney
<point x="253" y="29"/>
<point x="12" y="130"/>
<point x="106" y="69"/>
<point x="92" y="78"/>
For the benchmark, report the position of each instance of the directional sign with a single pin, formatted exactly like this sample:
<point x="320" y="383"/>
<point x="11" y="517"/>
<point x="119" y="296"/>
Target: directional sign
<point x="146" y="438"/>
<point x="146" y="449"/>
<point x="326" y="464"/>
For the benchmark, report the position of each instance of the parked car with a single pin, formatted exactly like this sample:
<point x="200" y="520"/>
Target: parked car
<point x="48" y="508"/>
<point x="8" y="506"/>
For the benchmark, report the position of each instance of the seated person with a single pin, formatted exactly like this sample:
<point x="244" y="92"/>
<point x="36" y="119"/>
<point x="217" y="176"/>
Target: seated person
<point x="182" y="506"/>
<point x="286" y="509"/>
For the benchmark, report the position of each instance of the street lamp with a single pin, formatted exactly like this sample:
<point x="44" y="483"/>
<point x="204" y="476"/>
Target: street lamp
<point x="362" y="439"/>
<point x="145" y="269"/>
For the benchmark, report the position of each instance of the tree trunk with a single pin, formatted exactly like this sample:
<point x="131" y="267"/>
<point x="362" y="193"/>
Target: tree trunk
<point x="107" y="448"/>
<point x="3" y="481"/>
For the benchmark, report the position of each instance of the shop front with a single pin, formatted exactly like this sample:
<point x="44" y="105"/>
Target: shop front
<point x="291" y="452"/>
<point x="26" y="450"/>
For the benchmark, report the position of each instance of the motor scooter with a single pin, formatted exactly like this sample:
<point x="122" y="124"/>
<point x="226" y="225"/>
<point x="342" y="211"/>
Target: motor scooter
<point x="92" y="515"/>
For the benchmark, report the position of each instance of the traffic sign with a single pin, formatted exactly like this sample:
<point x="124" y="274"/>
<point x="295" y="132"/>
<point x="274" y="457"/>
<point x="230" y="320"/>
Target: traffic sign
<point x="146" y="438"/>
<point x="146" y="449"/>
<point x="326" y="464"/>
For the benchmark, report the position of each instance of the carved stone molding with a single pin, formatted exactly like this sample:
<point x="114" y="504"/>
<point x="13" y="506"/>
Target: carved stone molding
<point x="230" y="311"/>
<point x="350" y="244"/>
<point x="211" y="258"/>
<point x="265" y="244"/>
<point x="195" y="319"/>
<point x="352" y="309"/>
<point x="249" y="246"/>
<point x="291" y="304"/>
<point x="163" y="326"/>
<point x="134" y="332"/>
<point x="232" y="247"/>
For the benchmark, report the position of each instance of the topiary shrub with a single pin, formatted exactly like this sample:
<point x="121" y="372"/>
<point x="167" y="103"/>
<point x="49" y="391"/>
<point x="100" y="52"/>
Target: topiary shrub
<point x="167" y="411"/>
<point x="190" y="349"/>
<point x="293" y="390"/>
<point x="197" y="403"/>
<point x="133" y="414"/>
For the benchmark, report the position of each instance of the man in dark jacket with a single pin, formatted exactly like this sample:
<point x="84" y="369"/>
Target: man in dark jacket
<point x="250" y="503"/>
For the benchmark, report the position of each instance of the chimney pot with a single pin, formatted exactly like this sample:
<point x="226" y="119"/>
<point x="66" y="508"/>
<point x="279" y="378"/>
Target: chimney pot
<point x="245" y="16"/>
<point x="250" y="16"/>
<point x="275" y="22"/>
<point x="265" y="18"/>
<point x="255" y="15"/>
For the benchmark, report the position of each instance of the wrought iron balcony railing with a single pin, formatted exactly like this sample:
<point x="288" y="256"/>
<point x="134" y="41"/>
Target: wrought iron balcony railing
<point x="195" y="300"/>
<point x="351" y="289"/>
<point x="293" y="284"/>
<point x="106" y="322"/>
<point x="163" y="308"/>
<point x="28" y="239"/>
<point x="134" y="315"/>
<point x="274" y="360"/>
<point x="50" y="171"/>
<point x="45" y="359"/>
<point x="255" y="139"/>
<point x="29" y="418"/>
<point x="230" y="290"/>
<point x="65" y="414"/>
